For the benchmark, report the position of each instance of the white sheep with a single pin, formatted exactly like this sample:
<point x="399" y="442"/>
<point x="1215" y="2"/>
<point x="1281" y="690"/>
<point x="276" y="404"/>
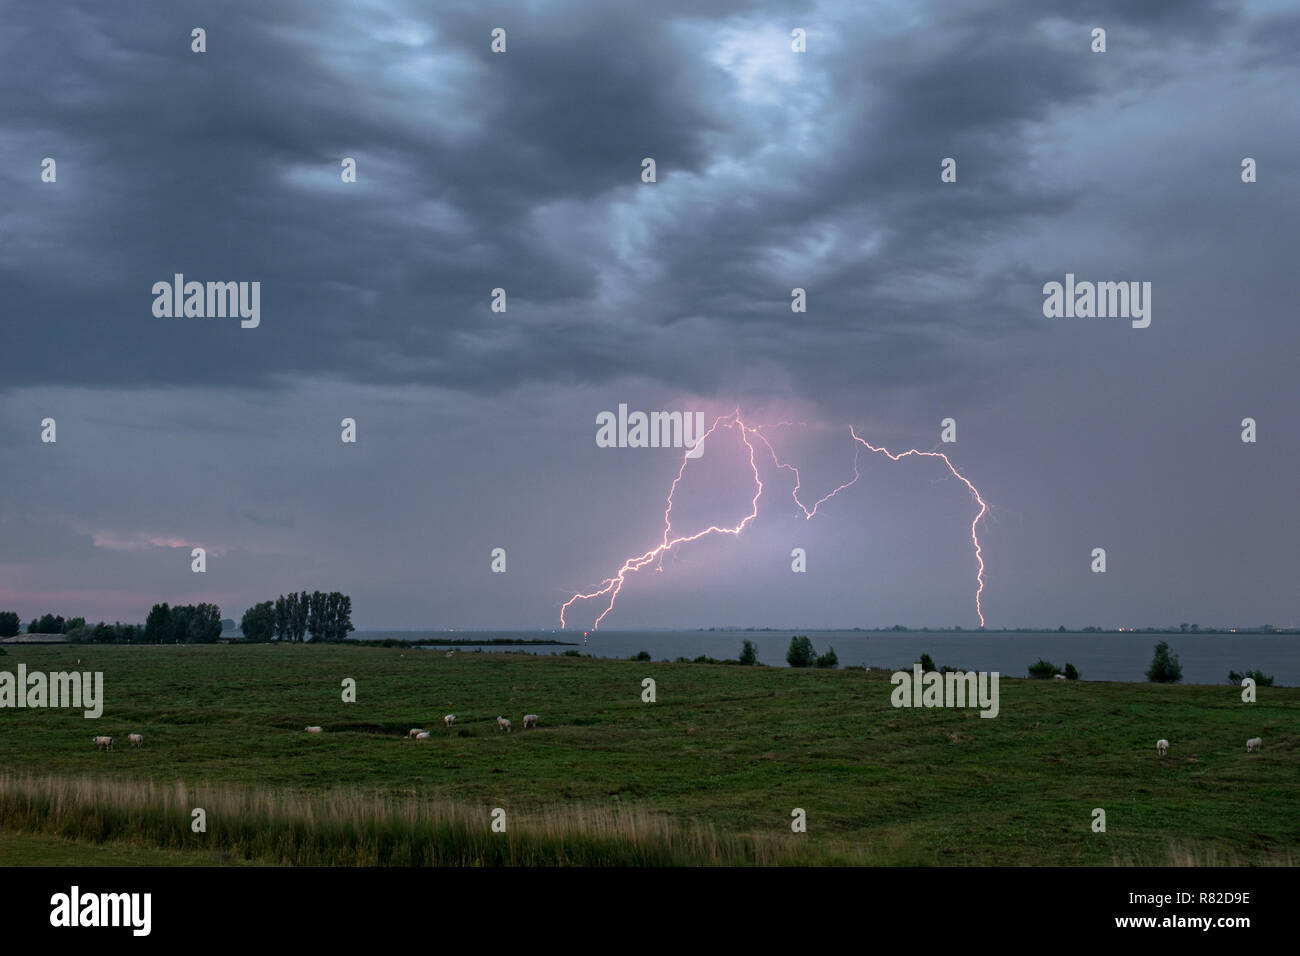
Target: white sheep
<point x="449" y="720"/>
<point x="1162" y="747"/>
<point x="314" y="730"/>
<point x="422" y="735"/>
<point x="137" y="740"/>
<point x="1058" y="676"/>
<point x="415" y="732"/>
<point x="530" y="720"/>
<point x="103" y="743"/>
<point x="1253" y="743"/>
<point x="503" y="724"/>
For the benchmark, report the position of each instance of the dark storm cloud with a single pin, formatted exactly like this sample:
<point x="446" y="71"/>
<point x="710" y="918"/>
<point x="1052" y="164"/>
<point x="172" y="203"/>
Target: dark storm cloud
<point x="225" y="166"/>
<point x="522" y="171"/>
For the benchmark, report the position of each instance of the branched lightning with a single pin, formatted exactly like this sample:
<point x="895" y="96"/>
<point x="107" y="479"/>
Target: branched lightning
<point x="974" y="525"/>
<point x="610" y="587"/>
<point x="798" y="481"/>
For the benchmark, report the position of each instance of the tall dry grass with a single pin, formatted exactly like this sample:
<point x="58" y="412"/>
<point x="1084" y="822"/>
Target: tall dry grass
<point x="354" y="828"/>
<point x="1180" y="854"/>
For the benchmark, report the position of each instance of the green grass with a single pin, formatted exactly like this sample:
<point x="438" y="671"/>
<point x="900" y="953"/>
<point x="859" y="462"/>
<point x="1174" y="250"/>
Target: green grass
<point x="34" y="849"/>
<point x="709" y="773"/>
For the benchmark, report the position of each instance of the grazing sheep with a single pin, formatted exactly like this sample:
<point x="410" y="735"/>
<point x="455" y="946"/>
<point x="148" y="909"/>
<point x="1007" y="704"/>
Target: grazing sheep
<point x="103" y="743"/>
<point x="1058" y="676"/>
<point x="422" y="735"/>
<point x="314" y="730"/>
<point x="137" y="740"/>
<point x="1253" y="743"/>
<point x="503" y="724"/>
<point x="449" y="720"/>
<point x="1162" y="747"/>
<point x="530" y="720"/>
<point x="415" y="732"/>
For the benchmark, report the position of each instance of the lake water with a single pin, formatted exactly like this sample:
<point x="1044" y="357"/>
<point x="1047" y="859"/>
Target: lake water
<point x="1206" y="658"/>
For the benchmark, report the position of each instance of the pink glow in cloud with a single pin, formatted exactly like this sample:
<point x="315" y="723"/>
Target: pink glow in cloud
<point x="612" y="586"/>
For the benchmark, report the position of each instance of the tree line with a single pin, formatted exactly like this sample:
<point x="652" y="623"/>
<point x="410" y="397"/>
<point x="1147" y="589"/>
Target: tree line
<point x="49" y="624"/>
<point x="75" y="629"/>
<point x="290" y="617"/>
<point x="186" y="623"/>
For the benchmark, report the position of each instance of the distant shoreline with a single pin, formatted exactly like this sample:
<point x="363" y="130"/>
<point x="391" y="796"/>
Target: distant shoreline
<point x="433" y="641"/>
<point x="1136" y="631"/>
<point x="460" y="642"/>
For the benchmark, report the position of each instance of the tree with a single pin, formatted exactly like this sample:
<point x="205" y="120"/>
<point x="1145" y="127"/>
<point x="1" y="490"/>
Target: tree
<point x="1071" y="672"/>
<point x="49" y="624"/>
<point x="343" y="617"/>
<point x="8" y="623"/>
<point x="1043" y="670"/>
<point x="333" y="607"/>
<point x="204" y="624"/>
<point x="317" y="615"/>
<point x="179" y="619"/>
<point x="927" y="664"/>
<point x="748" y="654"/>
<point x="186" y="623"/>
<point x="259" y="622"/>
<point x="281" y="618"/>
<point x="298" y="616"/>
<point x="338" y="616"/>
<point x="291" y="616"/>
<point x="285" y="616"/>
<point x="800" y="652"/>
<point x="158" y="625"/>
<point x="1259" y="677"/>
<point x="829" y="659"/>
<point x="1165" y="668"/>
<point x="103" y="633"/>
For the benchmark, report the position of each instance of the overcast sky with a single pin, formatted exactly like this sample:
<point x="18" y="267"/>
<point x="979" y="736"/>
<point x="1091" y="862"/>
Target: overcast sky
<point x="775" y="170"/>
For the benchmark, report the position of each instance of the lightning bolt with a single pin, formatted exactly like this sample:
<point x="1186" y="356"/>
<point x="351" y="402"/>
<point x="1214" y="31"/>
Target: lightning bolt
<point x="749" y="434"/>
<point x="798" y="481"/>
<point x="611" y="587"/>
<point x="974" y="525"/>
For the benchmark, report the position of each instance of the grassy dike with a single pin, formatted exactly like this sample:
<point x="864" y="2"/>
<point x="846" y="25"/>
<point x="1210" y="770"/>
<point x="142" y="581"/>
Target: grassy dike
<point x="707" y="774"/>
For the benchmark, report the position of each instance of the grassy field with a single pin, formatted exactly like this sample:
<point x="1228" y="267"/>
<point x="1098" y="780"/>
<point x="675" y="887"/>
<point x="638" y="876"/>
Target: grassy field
<point x="709" y="773"/>
<point x="30" y="849"/>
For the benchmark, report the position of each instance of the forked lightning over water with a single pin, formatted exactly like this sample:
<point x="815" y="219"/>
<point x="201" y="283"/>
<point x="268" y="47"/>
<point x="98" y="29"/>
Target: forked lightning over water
<point x="611" y="587"/>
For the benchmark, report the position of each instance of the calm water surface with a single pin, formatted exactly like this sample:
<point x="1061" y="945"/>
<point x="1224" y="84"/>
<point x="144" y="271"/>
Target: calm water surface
<point x="1206" y="658"/>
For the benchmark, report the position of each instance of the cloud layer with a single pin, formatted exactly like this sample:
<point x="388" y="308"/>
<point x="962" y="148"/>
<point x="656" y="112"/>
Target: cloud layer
<point x="776" y="170"/>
